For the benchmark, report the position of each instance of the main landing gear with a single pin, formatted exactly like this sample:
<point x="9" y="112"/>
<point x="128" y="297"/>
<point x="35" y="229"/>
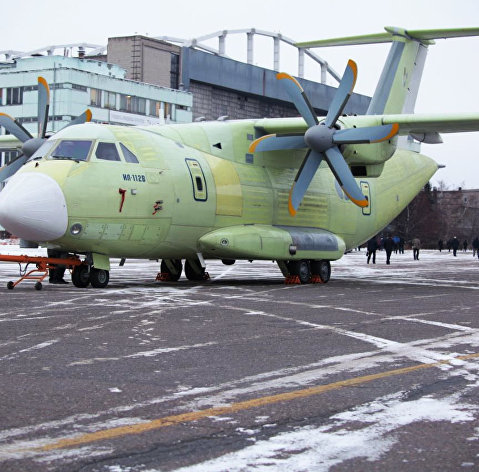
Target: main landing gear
<point x="83" y="275"/>
<point x="306" y="271"/>
<point x="170" y="270"/>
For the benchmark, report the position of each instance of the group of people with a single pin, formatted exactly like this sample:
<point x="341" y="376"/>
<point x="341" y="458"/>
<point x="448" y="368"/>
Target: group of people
<point x="390" y="244"/>
<point x="454" y="244"/>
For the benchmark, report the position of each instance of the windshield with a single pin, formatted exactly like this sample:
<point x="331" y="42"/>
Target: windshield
<point x="76" y="150"/>
<point x="43" y="150"/>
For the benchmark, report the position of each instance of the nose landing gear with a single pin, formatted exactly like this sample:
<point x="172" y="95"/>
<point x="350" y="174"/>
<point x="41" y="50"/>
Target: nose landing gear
<point x="83" y="275"/>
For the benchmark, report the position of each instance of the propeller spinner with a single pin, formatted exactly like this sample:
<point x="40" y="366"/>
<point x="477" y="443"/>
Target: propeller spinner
<point x="31" y="144"/>
<point x="323" y="139"/>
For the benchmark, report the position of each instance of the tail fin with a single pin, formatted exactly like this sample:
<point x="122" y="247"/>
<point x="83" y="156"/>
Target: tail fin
<point x="397" y="89"/>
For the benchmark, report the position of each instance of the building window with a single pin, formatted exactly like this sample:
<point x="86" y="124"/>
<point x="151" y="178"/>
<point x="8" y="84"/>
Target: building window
<point x="141" y="105"/>
<point x="133" y="104"/>
<point x="79" y="87"/>
<point x="125" y="102"/>
<point x="14" y="95"/>
<point x="110" y="100"/>
<point x="95" y="97"/>
<point x="10" y="156"/>
<point x="155" y="108"/>
<point x="174" y="71"/>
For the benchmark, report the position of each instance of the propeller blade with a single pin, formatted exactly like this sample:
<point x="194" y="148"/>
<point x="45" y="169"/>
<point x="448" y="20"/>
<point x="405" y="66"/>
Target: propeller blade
<point x="303" y="179"/>
<point x="299" y="98"/>
<point x="344" y="176"/>
<point x="83" y="118"/>
<point x="371" y="134"/>
<point x="8" y="170"/>
<point x="14" y="127"/>
<point x="43" y="106"/>
<point x="343" y="93"/>
<point x="277" y="142"/>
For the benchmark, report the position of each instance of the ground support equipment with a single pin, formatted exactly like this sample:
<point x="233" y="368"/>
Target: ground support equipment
<point x="42" y="266"/>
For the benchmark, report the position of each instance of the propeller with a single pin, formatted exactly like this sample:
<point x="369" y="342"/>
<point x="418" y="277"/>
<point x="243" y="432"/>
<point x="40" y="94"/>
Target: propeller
<point x="323" y="139"/>
<point x="30" y="144"/>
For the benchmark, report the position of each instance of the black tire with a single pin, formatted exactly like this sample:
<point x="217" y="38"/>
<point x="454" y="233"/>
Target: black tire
<point x="99" y="278"/>
<point x="10" y="285"/>
<point x="38" y="286"/>
<point x="174" y="277"/>
<point x="192" y="275"/>
<point x="301" y="269"/>
<point x="81" y="276"/>
<point x="322" y="269"/>
<point x="228" y="261"/>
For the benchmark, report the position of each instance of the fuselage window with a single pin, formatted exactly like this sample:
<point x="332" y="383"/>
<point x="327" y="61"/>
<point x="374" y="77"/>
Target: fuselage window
<point x="75" y="150"/>
<point x="128" y="155"/>
<point x="107" y="152"/>
<point x="199" y="184"/>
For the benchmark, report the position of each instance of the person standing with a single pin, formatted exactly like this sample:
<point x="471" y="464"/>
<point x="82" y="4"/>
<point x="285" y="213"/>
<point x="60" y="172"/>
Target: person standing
<point x="464" y="245"/>
<point x="440" y="245"/>
<point x="416" y="245"/>
<point x="372" y="248"/>
<point x="475" y="247"/>
<point x="388" y="247"/>
<point x="454" y="245"/>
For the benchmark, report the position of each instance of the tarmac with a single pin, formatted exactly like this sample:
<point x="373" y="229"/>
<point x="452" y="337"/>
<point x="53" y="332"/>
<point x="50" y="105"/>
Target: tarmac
<point x="376" y="370"/>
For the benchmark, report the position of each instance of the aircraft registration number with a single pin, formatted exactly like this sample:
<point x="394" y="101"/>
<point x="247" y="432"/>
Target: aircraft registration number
<point x="134" y="178"/>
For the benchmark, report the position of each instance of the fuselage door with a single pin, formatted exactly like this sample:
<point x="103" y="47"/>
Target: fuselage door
<point x="366" y="190"/>
<point x="200" y="192"/>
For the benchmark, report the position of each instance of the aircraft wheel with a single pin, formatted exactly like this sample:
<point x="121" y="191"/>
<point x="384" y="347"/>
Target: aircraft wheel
<point x="38" y="286"/>
<point x="192" y="274"/>
<point x="321" y="268"/>
<point x="301" y="269"/>
<point x="174" y="276"/>
<point x="81" y="276"/>
<point x="99" y="278"/>
<point x="10" y="285"/>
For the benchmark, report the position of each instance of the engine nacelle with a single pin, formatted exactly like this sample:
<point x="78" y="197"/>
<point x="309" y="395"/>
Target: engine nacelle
<point x="373" y="154"/>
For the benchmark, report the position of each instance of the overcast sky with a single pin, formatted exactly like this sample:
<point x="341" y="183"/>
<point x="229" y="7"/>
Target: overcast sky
<point x="449" y="81"/>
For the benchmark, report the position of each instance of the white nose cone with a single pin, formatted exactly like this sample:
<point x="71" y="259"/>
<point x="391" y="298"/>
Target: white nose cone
<point x="33" y="207"/>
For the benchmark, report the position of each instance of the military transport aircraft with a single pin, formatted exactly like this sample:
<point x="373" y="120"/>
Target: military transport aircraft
<point x="298" y="191"/>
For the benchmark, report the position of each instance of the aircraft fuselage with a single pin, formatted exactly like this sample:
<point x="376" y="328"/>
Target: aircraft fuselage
<point x="179" y="200"/>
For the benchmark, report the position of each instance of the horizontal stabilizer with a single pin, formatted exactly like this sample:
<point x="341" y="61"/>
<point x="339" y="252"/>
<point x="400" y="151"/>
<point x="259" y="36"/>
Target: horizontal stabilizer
<point x="392" y="33"/>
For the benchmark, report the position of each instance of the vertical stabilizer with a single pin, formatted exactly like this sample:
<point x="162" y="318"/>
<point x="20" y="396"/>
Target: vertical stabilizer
<point x="397" y="89"/>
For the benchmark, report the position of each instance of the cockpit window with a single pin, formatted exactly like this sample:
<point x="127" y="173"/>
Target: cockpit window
<point x="75" y="150"/>
<point x="128" y="155"/>
<point x="43" y="150"/>
<point x="107" y="152"/>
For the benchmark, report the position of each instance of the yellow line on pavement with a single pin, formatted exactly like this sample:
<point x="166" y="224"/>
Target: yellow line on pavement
<point x="239" y="406"/>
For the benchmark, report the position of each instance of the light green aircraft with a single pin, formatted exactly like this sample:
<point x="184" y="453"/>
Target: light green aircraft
<point x="298" y="191"/>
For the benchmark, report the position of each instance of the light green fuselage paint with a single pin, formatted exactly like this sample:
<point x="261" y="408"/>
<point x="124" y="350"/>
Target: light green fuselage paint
<point x="197" y="190"/>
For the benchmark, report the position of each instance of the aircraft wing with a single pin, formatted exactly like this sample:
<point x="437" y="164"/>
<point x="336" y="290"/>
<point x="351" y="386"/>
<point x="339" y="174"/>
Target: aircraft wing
<point x="408" y="123"/>
<point x="428" y="123"/>
<point x="8" y="142"/>
<point x="281" y="125"/>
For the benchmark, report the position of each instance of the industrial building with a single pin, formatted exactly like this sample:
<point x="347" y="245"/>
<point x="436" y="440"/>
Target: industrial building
<point x="80" y="83"/>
